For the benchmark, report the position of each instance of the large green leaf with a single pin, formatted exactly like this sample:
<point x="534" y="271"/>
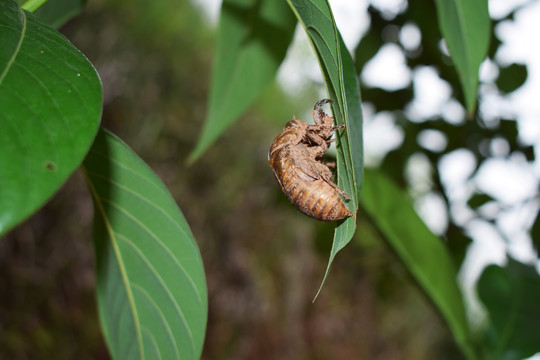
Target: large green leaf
<point x="253" y="38"/>
<point x="50" y="107"/>
<point x="511" y="295"/>
<point x="465" y="25"/>
<point x="342" y="87"/>
<point x="151" y="287"/>
<point x="423" y="254"/>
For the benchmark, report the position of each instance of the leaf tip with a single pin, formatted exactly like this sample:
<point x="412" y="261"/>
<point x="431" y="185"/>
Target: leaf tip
<point x="317" y="294"/>
<point x="195" y="154"/>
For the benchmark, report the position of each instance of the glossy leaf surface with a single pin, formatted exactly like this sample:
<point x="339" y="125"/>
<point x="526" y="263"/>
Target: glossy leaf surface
<point x="50" y="108"/>
<point x="152" y="294"/>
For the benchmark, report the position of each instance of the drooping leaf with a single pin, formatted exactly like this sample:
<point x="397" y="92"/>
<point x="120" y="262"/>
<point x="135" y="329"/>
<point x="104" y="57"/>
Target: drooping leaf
<point x="342" y="86"/>
<point x="465" y="25"/>
<point x="253" y="38"/>
<point x="50" y="107"/>
<point x="423" y="254"/>
<point x="151" y="288"/>
<point x="511" y="295"/>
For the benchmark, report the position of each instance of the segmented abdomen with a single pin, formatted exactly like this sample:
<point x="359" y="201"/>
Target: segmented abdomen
<point x="313" y="197"/>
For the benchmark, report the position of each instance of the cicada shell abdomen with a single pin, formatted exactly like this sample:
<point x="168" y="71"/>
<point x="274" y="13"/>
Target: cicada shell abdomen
<point x="314" y="197"/>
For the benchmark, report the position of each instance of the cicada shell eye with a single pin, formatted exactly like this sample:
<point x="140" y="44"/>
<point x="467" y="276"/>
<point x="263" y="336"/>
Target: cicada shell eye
<point x="291" y="123"/>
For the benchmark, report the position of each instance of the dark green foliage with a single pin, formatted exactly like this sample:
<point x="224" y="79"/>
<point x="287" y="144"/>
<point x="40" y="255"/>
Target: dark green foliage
<point x="511" y="295"/>
<point x="511" y="77"/>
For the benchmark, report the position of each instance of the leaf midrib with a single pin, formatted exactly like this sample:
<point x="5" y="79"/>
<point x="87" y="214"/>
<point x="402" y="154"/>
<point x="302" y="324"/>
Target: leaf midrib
<point x="101" y="210"/>
<point x="16" y="52"/>
<point x="461" y="31"/>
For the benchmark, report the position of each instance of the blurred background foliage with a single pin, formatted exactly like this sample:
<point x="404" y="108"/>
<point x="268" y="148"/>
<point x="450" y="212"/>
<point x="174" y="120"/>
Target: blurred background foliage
<point x="476" y="133"/>
<point x="263" y="259"/>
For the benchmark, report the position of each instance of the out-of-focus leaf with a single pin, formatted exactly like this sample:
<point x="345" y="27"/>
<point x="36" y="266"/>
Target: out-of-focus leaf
<point x="253" y="38"/>
<point x="370" y="42"/>
<point x="478" y="200"/>
<point x="423" y="254"/>
<point x="511" y="295"/>
<point x="342" y="86"/>
<point x="465" y="25"/>
<point x="511" y="77"/>
<point x="535" y="233"/>
<point x="31" y="5"/>
<point x="508" y="129"/>
<point x="421" y="13"/>
<point x="50" y="107"/>
<point x="529" y="153"/>
<point x="457" y="243"/>
<point x="387" y="100"/>
<point x="494" y="42"/>
<point x="151" y="288"/>
<point x="367" y="48"/>
<point x="58" y="12"/>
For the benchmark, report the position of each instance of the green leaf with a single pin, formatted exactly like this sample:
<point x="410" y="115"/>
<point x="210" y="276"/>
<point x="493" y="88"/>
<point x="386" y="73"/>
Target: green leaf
<point x="58" y="12"/>
<point x="50" y="107"/>
<point x="535" y="233"/>
<point x="511" y="295"/>
<point x="370" y="43"/>
<point x="253" y="38"/>
<point x="512" y="77"/>
<point x="342" y="86"/>
<point x="32" y="5"/>
<point x="152" y="295"/>
<point x="423" y="254"/>
<point x="465" y="25"/>
<point x="479" y="199"/>
<point x="457" y="243"/>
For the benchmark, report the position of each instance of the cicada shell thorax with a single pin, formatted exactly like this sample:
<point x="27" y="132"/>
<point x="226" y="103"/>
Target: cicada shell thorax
<point x="292" y="134"/>
<point x="315" y="196"/>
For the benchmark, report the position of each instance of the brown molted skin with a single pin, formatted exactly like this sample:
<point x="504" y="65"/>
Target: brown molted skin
<point x="295" y="157"/>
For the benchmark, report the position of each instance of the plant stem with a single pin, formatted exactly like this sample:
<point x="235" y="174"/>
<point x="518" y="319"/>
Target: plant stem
<point x="33" y="5"/>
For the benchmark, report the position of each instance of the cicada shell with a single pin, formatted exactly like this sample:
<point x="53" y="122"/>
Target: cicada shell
<point x="296" y="159"/>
